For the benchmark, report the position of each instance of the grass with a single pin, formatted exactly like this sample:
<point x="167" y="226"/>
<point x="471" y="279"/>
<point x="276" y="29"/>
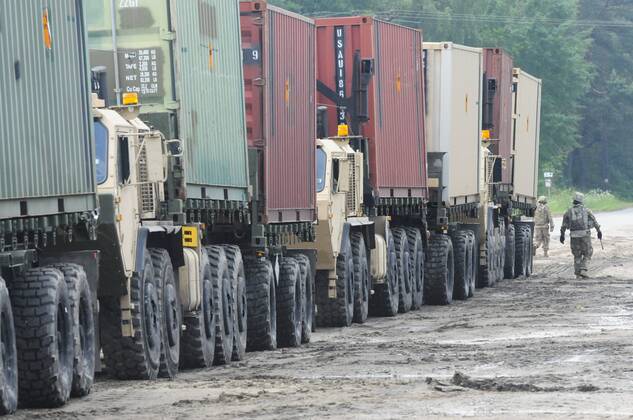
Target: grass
<point x="596" y="200"/>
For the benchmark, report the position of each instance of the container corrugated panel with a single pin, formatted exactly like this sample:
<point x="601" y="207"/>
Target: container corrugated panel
<point x="183" y="58"/>
<point x="280" y="85"/>
<point x="395" y="130"/>
<point x="454" y="76"/>
<point x="527" y="130"/>
<point x="498" y="66"/>
<point x="46" y="147"/>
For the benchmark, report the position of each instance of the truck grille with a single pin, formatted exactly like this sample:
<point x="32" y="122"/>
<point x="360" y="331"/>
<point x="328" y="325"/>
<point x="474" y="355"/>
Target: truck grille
<point x="352" y="209"/>
<point x="147" y="198"/>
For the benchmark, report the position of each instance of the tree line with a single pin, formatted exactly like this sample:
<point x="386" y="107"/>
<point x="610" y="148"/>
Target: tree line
<point x="580" y="48"/>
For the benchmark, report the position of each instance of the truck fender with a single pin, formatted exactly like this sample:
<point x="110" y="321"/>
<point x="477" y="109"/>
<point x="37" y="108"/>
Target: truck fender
<point x="168" y="238"/>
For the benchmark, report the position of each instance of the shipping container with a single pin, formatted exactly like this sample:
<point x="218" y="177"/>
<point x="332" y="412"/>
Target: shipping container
<point x="497" y="111"/>
<point x="46" y="151"/>
<point x="454" y="75"/>
<point x="370" y="77"/>
<point x="183" y="59"/>
<point x="526" y="136"/>
<point x="280" y="85"/>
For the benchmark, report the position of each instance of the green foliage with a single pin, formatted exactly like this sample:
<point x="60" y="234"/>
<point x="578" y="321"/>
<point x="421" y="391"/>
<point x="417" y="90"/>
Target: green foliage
<point x="581" y="49"/>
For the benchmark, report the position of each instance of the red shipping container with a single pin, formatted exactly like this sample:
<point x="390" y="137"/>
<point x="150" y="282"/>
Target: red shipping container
<point x="279" y="72"/>
<point x="395" y="108"/>
<point x="498" y="108"/>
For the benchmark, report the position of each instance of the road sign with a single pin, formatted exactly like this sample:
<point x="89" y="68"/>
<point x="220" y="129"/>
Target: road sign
<point x="548" y="175"/>
<point x="548" y="183"/>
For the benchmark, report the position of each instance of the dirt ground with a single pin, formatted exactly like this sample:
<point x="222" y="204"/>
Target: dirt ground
<point x="547" y="347"/>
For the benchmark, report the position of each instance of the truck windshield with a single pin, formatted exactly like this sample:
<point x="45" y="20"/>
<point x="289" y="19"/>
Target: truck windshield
<point x="101" y="147"/>
<point x="321" y="162"/>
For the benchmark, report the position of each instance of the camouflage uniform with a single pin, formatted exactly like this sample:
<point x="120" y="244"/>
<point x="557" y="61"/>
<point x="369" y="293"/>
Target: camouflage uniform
<point x="543" y="225"/>
<point x="580" y="220"/>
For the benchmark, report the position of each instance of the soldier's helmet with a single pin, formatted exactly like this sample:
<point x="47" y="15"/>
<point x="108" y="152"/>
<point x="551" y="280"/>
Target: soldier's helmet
<point x="542" y="199"/>
<point x="579" y="198"/>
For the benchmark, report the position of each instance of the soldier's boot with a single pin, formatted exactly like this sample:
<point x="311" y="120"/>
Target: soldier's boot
<point x="583" y="274"/>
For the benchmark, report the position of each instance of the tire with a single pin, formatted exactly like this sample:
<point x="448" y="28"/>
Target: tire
<point x="522" y="253"/>
<point x="262" y="306"/>
<point x="361" y="278"/>
<point x="386" y="298"/>
<point x="510" y="251"/>
<point x="198" y="339"/>
<point x="240" y="304"/>
<point x="530" y="255"/>
<point x="307" y="286"/>
<point x="9" y="382"/>
<point x="416" y="252"/>
<point x="440" y="274"/>
<point x="44" y="338"/>
<point x="404" y="269"/>
<point x="171" y="313"/>
<point x="289" y="304"/>
<point x="338" y="312"/>
<point x="83" y="328"/>
<point x="463" y="265"/>
<point x="136" y="357"/>
<point x="223" y="297"/>
<point x="488" y="273"/>
<point x="474" y="266"/>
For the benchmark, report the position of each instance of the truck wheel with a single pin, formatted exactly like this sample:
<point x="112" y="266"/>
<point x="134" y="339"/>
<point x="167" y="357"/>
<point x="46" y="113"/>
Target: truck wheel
<point x="223" y="297"/>
<point x="386" y="299"/>
<point x="289" y="304"/>
<point x="416" y="252"/>
<point x="171" y="313"/>
<point x="463" y="265"/>
<point x="236" y="269"/>
<point x="404" y="269"/>
<point x="307" y="286"/>
<point x="198" y="339"/>
<point x="487" y="273"/>
<point x="338" y="312"/>
<point x="9" y="382"/>
<point x="508" y="268"/>
<point x="83" y="327"/>
<point x="44" y="337"/>
<point x="521" y="252"/>
<point x="361" y="278"/>
<point x="474" y="266"/>
<point x="136" y="357"/>
<point x="440" y="273"/>
<point x="530" y="255"/>
<point x="261" y="306"/>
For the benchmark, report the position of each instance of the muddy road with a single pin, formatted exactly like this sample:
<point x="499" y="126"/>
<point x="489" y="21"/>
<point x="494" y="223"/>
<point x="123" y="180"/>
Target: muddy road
<point x="550" y="346"/>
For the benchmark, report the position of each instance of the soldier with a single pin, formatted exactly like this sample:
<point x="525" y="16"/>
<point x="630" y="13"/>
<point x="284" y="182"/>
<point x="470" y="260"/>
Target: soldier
<point x="579" y="220"/>
<point x="543" y="226"/>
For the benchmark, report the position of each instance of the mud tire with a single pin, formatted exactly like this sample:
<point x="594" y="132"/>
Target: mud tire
<point x="386" y="298"/>
<point x="44" y="338"/>
<point x="522" y="252"/>
<point x="290" y="301"/>
<point x="307" y="286"/>
<point x="405" y="280"/>
<point x="463" y="265"/>
<point x="510" y="251"/>
<point x="416" y="252"/>
<point x="361" y="278"/>
<point x="223" y="297"/>
<point x="136" y="357"/>
<point x="488" y="273"/>
<point x="240" y="304"/>
<point x="338" y="312"/>
<point x="440" y="273"/>
<point x="198" y="338"/>
<point x="474" y="266"/>
<point x="83" y="327"/>
<point x="262" y="305"/>
<point x="9" y="366"/>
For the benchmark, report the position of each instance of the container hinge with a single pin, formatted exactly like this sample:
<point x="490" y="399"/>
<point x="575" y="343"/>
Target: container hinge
<point x="167" y="35"/>
<point x="172" y="105"/>
<point x="259" y="81"/>
<point x="258" y="21"/>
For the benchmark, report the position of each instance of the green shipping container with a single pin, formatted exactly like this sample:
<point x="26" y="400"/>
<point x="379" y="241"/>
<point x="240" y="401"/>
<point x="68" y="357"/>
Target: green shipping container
<point x="46" y="148"/>
<point x="184" y="60"/>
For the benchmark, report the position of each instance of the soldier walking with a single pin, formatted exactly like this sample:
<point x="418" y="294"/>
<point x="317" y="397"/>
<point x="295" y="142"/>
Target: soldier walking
<point x="580" y="220"/>
<point x="543" y="226"/>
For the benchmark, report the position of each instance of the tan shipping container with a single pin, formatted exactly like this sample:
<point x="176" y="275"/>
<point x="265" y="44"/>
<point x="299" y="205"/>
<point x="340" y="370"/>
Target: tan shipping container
<point x="454" y="77"/>
<point x="526" y="135"/>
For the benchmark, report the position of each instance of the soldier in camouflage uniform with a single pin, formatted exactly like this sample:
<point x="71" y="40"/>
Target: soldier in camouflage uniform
<point x="543" y="226"/>
<point x="580" y="220"/>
